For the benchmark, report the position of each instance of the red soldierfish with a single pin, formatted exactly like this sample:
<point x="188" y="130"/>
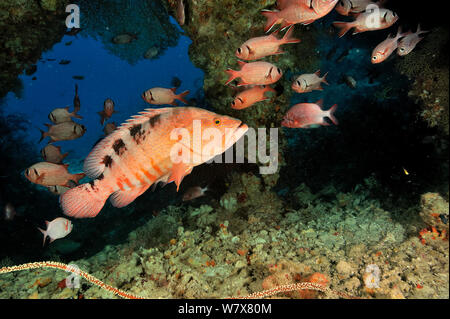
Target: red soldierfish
<point x="49" y="174"/>
<point x="349" y="7"/>
<point x="141" y="152"/>
<point x="108" y="110"/>
<point x="160" y="96"/>
<point x="298" y="12"/>
<point x="257" y="48"/>
<point x="65" y="131"/>
<point x="60" y="115"/>
<point x="386" y="48"/>
<point x="58" y="228"/>
<point x="180" y="13"/>
<point x="409" y="42"/>
<point x="308" y="115"/>
<point x="194" y="192"/>
<point x="52" y="154"/>
<point x="257" y="73"/>
<point x="109" y="128"/>
<point x="251" y="96"/>
<point x="306" y="83"/>
<point x="368" y="21"/>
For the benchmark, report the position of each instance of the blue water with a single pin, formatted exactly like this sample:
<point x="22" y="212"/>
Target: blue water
<point x="105" y="76"/>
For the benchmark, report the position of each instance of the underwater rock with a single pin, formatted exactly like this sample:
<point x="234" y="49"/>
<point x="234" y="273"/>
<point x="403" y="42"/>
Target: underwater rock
<point x="148" y="21"/>
<point x="27" y="29"/>
<point x="434" y="211"/>
<point x="217" y="29"/>
<point x="427" y="68"/>
<point x="50" y="5"/>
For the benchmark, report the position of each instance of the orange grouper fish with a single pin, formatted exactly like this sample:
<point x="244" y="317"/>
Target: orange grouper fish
<point x="143" y="151"/>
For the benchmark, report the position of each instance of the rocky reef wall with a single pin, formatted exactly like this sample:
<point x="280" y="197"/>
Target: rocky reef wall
<point x="27" y="28"/>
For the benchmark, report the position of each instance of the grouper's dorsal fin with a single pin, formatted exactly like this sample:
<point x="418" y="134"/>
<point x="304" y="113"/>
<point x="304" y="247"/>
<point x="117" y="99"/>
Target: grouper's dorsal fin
<point x="100" y="156"/>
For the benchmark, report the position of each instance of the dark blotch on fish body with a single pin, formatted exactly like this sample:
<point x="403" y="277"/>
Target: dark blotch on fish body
<point x="135" y="129"/>
<point x="118" y="146"/>
<point x="155" y="119"/>
<point x="107" y="160"/>
<point x="78" y="77"/>
<point x="64" y="62"/>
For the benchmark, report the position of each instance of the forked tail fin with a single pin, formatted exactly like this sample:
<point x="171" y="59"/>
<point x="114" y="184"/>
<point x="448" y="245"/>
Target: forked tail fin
<point x="181" y="97"/>
<point x="272" y="19"/>
<point x="331" y="115"/>
<point x="233" y="75"/>
<point x="344" y="27"/>
<point x="287" y="36"/>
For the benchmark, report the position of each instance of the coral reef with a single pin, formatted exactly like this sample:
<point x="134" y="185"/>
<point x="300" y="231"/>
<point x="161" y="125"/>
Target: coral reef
<point x="434" y="211"/>
<point x="427" y="68"/>
<point x="217" y="29"/>
<point x="27" y="28"/>
<point x="145" y="24"/>
<point x="239" y="248"/>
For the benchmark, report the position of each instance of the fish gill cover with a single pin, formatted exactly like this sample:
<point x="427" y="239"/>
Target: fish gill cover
<point x="358" y="204"/>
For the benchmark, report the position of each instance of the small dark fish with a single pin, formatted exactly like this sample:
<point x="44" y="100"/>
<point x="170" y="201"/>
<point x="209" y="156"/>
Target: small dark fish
<point x="151" y="53"/>
<point x="109" y="128"/>
<point x="68" y="43"/>
<point x="76" y="100"/>
<point x="194" y="192"/>
<point x="180" y="12"/>
<point x="124" y="38"/>
<point x="78" y="77"/>
<point x="31" y="69"/>
<point x="9" y="212"/>
<point x="342" y="56"/>
<point x="51" y="59"/>
<point x="350" y="81"/>
<point x="73" y="31"/>
<point x="64" y="62"/>
<point x="34" y="78"/>
<point x="176" y="82"/>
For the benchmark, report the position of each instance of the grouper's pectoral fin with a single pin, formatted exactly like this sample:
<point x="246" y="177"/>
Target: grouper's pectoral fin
<point x="179" y="171"/>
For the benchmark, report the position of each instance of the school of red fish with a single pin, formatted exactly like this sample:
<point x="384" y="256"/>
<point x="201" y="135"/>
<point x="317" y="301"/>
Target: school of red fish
<point x="137" y="154"/>
<point x="257" y="76"/>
